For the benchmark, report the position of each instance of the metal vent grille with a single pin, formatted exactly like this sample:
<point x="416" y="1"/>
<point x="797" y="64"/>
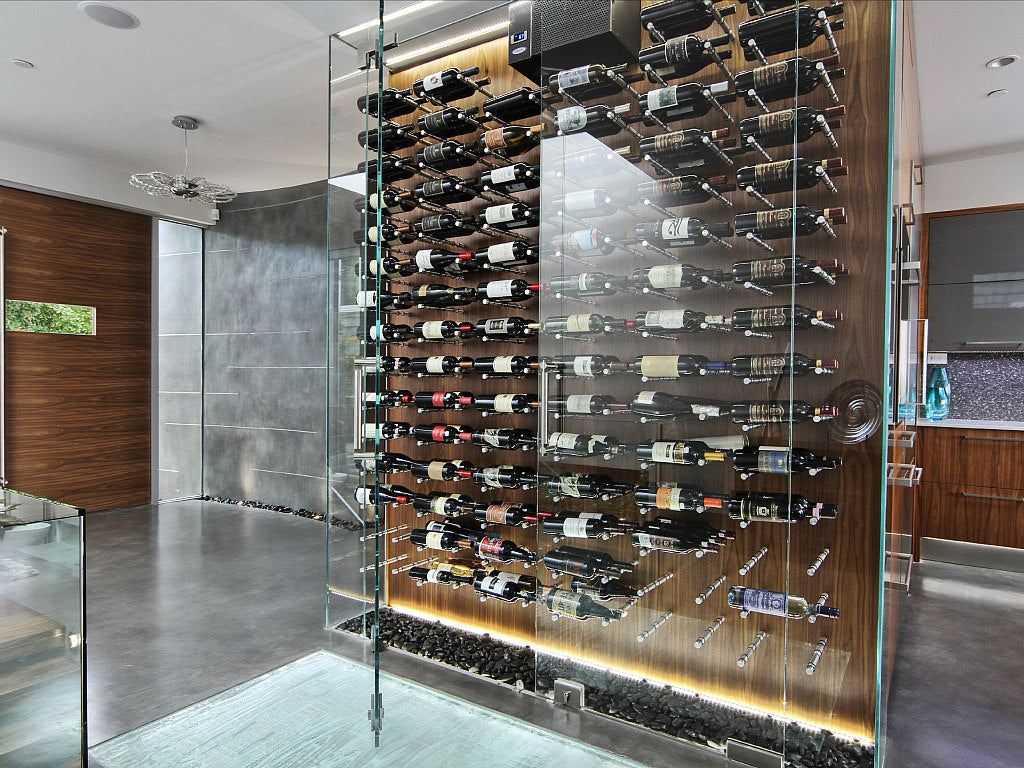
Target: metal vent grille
<point x="563" y="22"/>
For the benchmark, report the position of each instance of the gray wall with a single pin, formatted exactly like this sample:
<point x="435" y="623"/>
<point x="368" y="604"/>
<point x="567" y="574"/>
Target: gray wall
<point x="265" y="348"/>
<point x="179" y="376"/>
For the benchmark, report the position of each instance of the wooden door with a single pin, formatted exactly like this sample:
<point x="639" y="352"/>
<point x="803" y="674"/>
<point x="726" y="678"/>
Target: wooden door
<point x="77" y="427"/>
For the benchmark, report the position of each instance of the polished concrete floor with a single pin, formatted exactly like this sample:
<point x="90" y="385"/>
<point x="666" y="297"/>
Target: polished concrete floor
<point x="185" y="600"/>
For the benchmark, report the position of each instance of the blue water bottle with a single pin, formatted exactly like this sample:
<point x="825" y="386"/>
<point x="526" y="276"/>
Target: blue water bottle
<point x="936" y="401"/>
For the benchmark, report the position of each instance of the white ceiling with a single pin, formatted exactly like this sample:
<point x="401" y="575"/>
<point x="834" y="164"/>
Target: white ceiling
<point x="954" y="40"/>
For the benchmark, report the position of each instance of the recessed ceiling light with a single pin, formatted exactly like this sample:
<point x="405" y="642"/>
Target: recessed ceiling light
<point x="1001" y="61"/>
<point x="22" y="63"/>
<point x="108" y="15"/>
<point x="998" y="92"/>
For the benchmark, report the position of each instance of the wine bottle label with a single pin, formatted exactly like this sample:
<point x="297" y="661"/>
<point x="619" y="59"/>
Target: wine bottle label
<point x="652" y="541"/>
<point x="569" y="485"/>
<point x="671" y="142"/>
<point x="497" y="326"/>
<point x="502" y="364"/>
<point x="570" y="78"/>
<point x="763" y="601"/>
<point x="434" y="188"/>
<point x="498" y="513"/>
<point x="494" y="138"/>
<point x="575" y="528"/>
<point x="503" y="175"/>
<point x="366" y="298"/>
<point x="578" y="403"/>
<point x="578" y="323"/>
<point x="500" y="253"/>
<point x="491" y="476"/>
<point x="437" y="399"/>
<point x="584" y="200"/>
<point x="768" y="173"/>
<point x="762" y="269"/>
<point x="668" y="498"/>
<point x="774" y="220"/>
<point x="571" y="119"/>
<point x="432" y="329"/>
<point x="499" y="289"/>
<point x="773" y="460"/>
<point x="371" y="234"/>
<point x="375" y="332"/>
<point x="433" y="82"/>
<point x="492" y="437"/>
<point x="438" y="504"/>
<point x="771" y="76"/>
<point x="434" y="539"/>
<point x="566" y="603"/>
<point x="563" y="440"/>
<point x="659" y="366"/>
<point x="424" y="261"/>
<point x="578" y="242"/>
<point x="364" y="496"/>
<point x="582" y="280"/>
<point x="436" y="121"/>
<point x="435" y="470"/>
<point x="495" y="585"/>
<point x="371" y="431"/>
<point x="677" y="50"/>
<point x="435" y="364"/>
<point x="661" y="98"/>
<point x="433" y="153"/>
<point x="646" y="397"/>
<point x="669" y="452"/>
<point x="504" y="404"/>
<point x="767" y="365"/>
<point x="518" y="186"/>
<point x="434" y="223"/>
<point x="665" y="318"/>
<point x="762" y="509"/>
<point x="583" y="365"/>
<point x="765" y="413"/>
<point x="670" y="276"/>
<point x="499" y="214"/>
<point x="490" y="545"/>
<point x="437" y="434"/>
<point x="434" y="576"/>
<point x="776" y="123"/>
<point x="675" y="229"/>
<point x="769" y="317"/>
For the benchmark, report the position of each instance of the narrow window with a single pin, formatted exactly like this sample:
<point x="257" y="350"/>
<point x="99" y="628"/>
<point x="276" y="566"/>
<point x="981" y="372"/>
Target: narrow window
<point x="43" y="317"/>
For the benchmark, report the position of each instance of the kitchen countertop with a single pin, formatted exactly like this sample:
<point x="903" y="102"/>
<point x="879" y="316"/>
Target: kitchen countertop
<point x="973" y="424"/>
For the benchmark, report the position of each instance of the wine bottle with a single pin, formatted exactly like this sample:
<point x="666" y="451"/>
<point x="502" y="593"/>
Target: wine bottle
<point x="441" y="503"/>
<point x="505" y="513"/>
<point x="788" y="270"/>
<point x="676" y="498"/>
<point x="589" y="81"/>
<point x="440" y="469"/>
<point x="755" y="7"/>
<point x="387" y="139"/>
<point x="675" y="277"/>
<point x="587" y="563"/>
<point x="580" y="324"/>
<point x="448" y="122"/>
<point x="760" y="506"/>
<point x="446" y="541"/>
<point x="505" y="365"/>
<point x="785" y="175"/>
<point x="681" y="190"/>
<point x="574" y="444"/>
<point x="783" y="128"/>
<point x="447" y="85"/>
<point x="389" y="398"/>
<point x="388" y="265"/>
<point x="684" y="102"/>
<point x="690" y="148"/>
<point x="503" y="255"/>
<point x="386" y="233"/>
<point x="592" y="525"/>
<point x="586" y="366"/>
<point x="661" y="405"/>
<point x="438" y="365"/>
<point x="675" y="321"/>
<point x="443" y="573"/>
<point x="598" y="120"/>
<point x="506" y="290"/>
<point x="514" y="105"/>
<point x="797" y="316"/>
<point x="588" y="202"/>
<point x="439" y="401"/>
<point x="777" y="604"/>
<point x="678" y="537"/>
<point x="786" y="30"/>
<point x="778" y="412"/>
<point x="508" y="216"/>
<point x="760" y="367"/>
<point x="437" y="433"/>
<point x="393" y="103"/>
<point x="680" y="232"/>
<point x="502" y="550"/>
<point x="518" y="177"/>
<point x="438" y="330"/>
<point x="585" y="486"/>
<point x="583" y="242"/>
<point x="498" y="328"/>
<point x="681" y="17"/>
<point x="510" y="140"/>
<point x="468" y="529"/>
<point x="384" y="300"/>
<point x="386" y="364"/>
<point x="686" y="452"/>
<point x="588" y="405"/>
<point x="437" y="260"/>
<point x="603" y="590"/>
<point x="391" y="168"/>
<point x="509" y="587"/>
<point x="787" y="79"/>
<point x="438" y="295"/>
<point x="444" y="191"/>
<point x="801" y="220"/>
<point x="682" y="56"/>
<point x="446" y="155"/>
<point x="583" y="284"/>
<point x="501" y="403"/>
<point x="505" y="476"/>
<point x="506" y="438"/>
<point x="389" y="201"/>
<point x="670" y="366"/>
<point x="564" y="602"/>
<point x="383" y="494"/>
<point x="390" y="333"/>
<point x="780" y="460"/>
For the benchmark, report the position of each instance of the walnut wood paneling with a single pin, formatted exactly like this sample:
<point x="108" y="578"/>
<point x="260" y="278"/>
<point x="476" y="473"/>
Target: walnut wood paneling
<point x="841" y="694"/>
<point x="78" y="407"/>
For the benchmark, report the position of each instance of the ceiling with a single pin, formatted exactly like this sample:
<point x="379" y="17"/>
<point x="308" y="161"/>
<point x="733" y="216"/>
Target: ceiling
<point x="954" y="40"/>
<point x="255" y="74"/>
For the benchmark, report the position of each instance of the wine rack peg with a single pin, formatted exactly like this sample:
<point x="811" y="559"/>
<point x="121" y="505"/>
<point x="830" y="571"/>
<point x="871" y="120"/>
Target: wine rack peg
<point x="812" y="665"/>
<point x="749" y="565"/>
<point x="821" y="601"/>
<point x="709" y="589"/>
<point x="703" y="639"/>
<point x="658" y="623"/>
<point x="745" y="656"/>
<point x="813" y="569"/>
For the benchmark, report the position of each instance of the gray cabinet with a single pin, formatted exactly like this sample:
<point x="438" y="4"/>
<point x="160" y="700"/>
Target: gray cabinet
<point x="976" y="317"/>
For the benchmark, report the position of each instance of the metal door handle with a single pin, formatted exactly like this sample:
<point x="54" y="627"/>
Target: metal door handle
<point x="991" y="343"/>
<point x="986" y="496"/>
<point x="997" y="439"/>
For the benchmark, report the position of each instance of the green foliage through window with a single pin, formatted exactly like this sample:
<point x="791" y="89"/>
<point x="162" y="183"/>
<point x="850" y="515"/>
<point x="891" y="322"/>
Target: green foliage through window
<point x="39" y="317"/>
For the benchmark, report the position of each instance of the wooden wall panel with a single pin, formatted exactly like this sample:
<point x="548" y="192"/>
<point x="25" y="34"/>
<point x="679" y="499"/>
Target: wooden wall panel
<point x="841" y="695"/>
<point x="78" y="418"/>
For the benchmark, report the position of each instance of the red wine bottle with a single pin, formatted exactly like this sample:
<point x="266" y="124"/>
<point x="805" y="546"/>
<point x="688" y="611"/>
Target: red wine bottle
<point x="585" y="202"/>
<point x="505" y="365"/>
<point x="782" y="128"/>
<point x="514" y="105"/>
<point x="443" y="573"/>
<point x="505" y="438"/>
<point x="673" y="321"/>
<point x="517" y="177"/>
<point x="393" y="103"/>
<point x="760" y="506"/>
<point x="448" y="122"/>
<point x="447" y="85"/>
<point x="787" y="79"/>
<point x="389" y="398"/>
<point x="598" y="120"/>
<point x="505" y="476"/>
<point x="387" y="139"/>
<point x="780" y="460"/>
<point x="685" y="452"/>
<point x="505" y="586"/>
<point x="506" y="290"/>
<point x="681" y="190"/>
<point x="684" y="102"/>
<point x="662" y="405"/>
<point x="441" y="503"/>
<point x="588" y="525"/>
<point x="675" y="277"/>
<point x="389" y="201"/>
<point x="586" y="366"/>
<point x="446" y="155"/>
<point x="785" y="175"/>
<point x="586" y="563"/>
<point x="580" y="607"/>
<point x="589" y="81"/>
<point x="769" y="366"/>
<point x="390" y="333"/>
<point x="502" y="550"/>
<point x="510" y="140"/>
<point x="797" y="316"/>
<point x="391" y="168"/>
<point x="680" y="232"/>
<point x="786" y="30"/>
<point x="438" y="365"/>
<point x="676" y="498"/>
<point x="583" y="284"/>
<point x="498" y="328"/>
<point x="439" y="330"/>
<point x="777" y="604"/>
<point x="574" y="444"/>
<point x="383" y="300"/>
<point x="787" y="270"/>
<point x="583" y="242"/>
<point x="503" y="255"/>
<point x="585" y="405"/>
<point x="438" y="295"/>
<point x="444" y="191"/>
<point x="681" y="17"/>
<point x="682" y="56"/>
<point x="389" y="265"/>
<point x="439" y="401"/>
<point x="602" y="590"/>
<point x="778" y="223"/>
<point x="585" y="486"/>
<point x="508" y="216"/>
<point x="505" y="513"/>
<point x="670" y="366"/>
<point x="778" y="412"/>
<point x="500" y="403"/>
<point x="436" y="433"/>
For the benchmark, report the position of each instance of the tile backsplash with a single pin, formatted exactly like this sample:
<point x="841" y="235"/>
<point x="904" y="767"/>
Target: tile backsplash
<point x="987" y="386"/>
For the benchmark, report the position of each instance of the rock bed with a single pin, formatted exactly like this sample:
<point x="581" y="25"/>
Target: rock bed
<point x="349" y="525"/>
<point x="663" y="709"/>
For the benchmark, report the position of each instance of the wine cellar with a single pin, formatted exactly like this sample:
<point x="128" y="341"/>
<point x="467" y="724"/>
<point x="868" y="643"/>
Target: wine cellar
<point x="617" y="354"/>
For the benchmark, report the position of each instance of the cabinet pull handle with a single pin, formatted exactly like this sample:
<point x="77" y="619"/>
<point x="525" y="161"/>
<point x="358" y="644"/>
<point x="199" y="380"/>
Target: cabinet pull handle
<point x="997" y="439"/>
<point x="985" y="496"/>
<point x="990" y="343"/>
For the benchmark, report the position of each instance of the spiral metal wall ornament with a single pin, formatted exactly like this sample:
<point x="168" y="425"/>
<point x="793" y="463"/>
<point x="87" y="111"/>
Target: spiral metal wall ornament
<point x="160" y="184"/>
<point x="859" y="411"/>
